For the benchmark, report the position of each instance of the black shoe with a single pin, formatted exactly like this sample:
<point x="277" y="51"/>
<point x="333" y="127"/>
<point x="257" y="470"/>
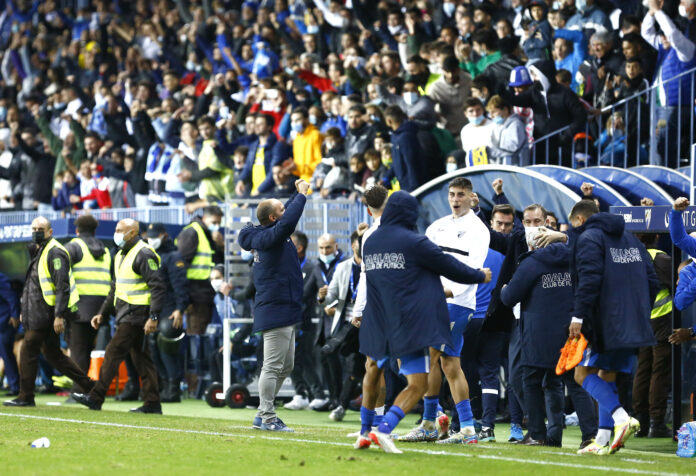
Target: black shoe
<point x="529" y="441"/>
<point x="148" y="409"/>
<point x="19" y="403"/>
<point x="486" y="435"/>
<point x="130" y="392"/>
<point x="172" y="392"/>
<point x="11" y="393"/>
<point x="644" y="421"/>
<point x="585" y="443"/>
<point x="659" y="430"/>
<point x="86" y="400"/>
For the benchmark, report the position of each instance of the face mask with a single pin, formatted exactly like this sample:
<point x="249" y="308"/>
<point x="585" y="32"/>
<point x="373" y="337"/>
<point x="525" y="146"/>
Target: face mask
<point x="213" y="227"/>
<point x="246" y="255"/>
<point x="119" y="240"/>
<point x="394" y="29"/>
<point x="410" y="98"/>
<point x="57" y="185"/>
<point x="327" y="259"/>
<point x="498" y="120"/>
<point x="38" y="236"/>
<point x="216" y="283"/>
<point x="476" y="120"/>
<point x="154" y="242"/>
<point x="581" y="5"/>
<point x="313" y="29"/>
<point x="449" y="8"/>
<point x="682" y="11"/>
<point x="374" y="118"/>
<point x="191" y="66"/>
<point x="297" y="127"/>
<point x="313" y="119"/>
<point x="483" y="53"/>
<point x="451" y="167"/>
<point x="530" y="233"/>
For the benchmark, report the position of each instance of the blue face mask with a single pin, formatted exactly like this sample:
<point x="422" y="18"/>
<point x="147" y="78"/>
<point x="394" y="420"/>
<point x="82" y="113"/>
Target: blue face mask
<point x="313" y="119"/>
<point x="449" y="8"/>
<point x="297" y="127"/>
<point x="374" y="118"/>
<point x="498" y="120"/>
<point x="312" y="29"/>
<point x="411" y="98"/>
<point x="476" y="120"/>
<point x="327" y="259"/>
<point x="246" y="255"/>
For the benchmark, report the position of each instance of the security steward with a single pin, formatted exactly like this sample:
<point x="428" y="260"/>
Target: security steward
<point x="651" y="383"/>
<point x="50" y="297"/>
<point x="91" y="268"/>
<point x="136" y="297"/>
<point x="197" y="243"/>
<point x="166" y="344"/>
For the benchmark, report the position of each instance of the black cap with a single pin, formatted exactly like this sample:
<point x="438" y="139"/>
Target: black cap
<point x="155" y="229"/>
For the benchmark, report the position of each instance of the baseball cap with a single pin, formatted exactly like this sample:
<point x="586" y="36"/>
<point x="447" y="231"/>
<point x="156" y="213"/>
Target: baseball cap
<point x="155" y="229"/>
<point x="519" y="76"/>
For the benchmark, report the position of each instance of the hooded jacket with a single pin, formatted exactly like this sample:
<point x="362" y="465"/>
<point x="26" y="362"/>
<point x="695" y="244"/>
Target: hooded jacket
<point x="406" y="309"/>
<point x="89" y="305"/>
<point x="614" y="284"/>
<point x="276" y="272"/>
<point x="542" y="277"/>
<point x="408" y="160"/>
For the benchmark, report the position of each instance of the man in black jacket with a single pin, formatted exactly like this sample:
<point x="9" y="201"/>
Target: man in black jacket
<point x="49" y="297"/>
<point x="91" y="266"/>
<point x="136" y="297"/>
<point x="304" y="376"/>
<point x="167" y="351"/>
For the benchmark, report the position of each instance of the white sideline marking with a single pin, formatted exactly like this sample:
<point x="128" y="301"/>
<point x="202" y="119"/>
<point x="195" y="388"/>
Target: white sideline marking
<point x="332" y="443"/>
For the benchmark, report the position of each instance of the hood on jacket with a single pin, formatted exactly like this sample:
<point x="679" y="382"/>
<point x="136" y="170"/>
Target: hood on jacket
<point x="543" y="71"/>
<point x="401" y="210"/>
<point x="607" y="222"/>
<point x="557" y="254"/>
<point x="408" y="127"/>
<point x="94" y="245"/>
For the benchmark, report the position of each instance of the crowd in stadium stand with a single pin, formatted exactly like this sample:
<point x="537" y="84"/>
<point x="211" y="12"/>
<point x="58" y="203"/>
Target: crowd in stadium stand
<point x="122" y="104"/>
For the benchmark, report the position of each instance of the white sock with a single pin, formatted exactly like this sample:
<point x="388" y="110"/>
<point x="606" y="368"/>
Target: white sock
<point x="379" y="410"/>
<point x="468" y="430"/>
<point x="620" y="416"/>
<point x="602" y="438"/>
<point x="428" y="425"/>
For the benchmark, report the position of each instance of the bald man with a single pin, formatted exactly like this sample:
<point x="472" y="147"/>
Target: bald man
<point x="49" y="297"/>
<point x="278" y="304"/>
<point x="136" y="298"/>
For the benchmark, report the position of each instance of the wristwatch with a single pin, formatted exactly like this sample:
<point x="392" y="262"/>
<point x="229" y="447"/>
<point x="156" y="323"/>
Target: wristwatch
<point x="154" y="317"/>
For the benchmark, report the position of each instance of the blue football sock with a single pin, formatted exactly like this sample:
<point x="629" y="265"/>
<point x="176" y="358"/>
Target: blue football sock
<point x="466" y="417"/>
<point x="439" y="407"/>
<point x="367" y="418"/>
<point x="430" y="405"/>
<point x="391" y="419"/>
<point x="604" y="392"/>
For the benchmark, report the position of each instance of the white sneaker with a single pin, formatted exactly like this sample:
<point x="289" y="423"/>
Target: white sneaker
<point x="384" y="441"/>
<point x="298" y="402"/>
<point x="318" y="403"/>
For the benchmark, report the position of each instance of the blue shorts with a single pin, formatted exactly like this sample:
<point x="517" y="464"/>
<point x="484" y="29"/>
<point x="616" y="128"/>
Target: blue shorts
<point x="415" y="363"/>
<point x="459" y="318"/>
<point x="622" y="360"/>
<point x="381" y="362"/>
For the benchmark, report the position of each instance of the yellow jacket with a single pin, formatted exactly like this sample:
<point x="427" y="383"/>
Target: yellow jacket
<point x="306" y="151"/>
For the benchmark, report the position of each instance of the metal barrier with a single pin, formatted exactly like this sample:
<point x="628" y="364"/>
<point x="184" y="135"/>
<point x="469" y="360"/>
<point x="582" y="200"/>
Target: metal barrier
<point x="170" y="215"/>
<point x="643" y="130"/>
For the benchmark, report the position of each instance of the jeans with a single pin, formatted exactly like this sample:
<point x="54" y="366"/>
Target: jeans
<point x="543" y="393"/>
<point x="278" y="362"/>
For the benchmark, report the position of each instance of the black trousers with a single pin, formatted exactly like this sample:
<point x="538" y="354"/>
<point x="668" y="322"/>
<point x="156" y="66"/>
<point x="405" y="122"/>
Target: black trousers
<point x="652" y="382"/>
<point x="81" y="337"/>
<point x="543" y="395"/>
<point x="129" y="339"/>
<point x="354" y="373"/>
<point x="304" y="375"/>
<point x="333" y="375"/>
<point x="46" y="342"/>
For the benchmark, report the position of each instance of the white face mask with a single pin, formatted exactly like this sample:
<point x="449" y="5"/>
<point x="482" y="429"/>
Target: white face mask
<point x="682" y="11"/>
<point x="410" y="98"/>
<point x="119" y="240"/>
<point x="327" y="259"/>
<point x="530" y="233"/>
<point x="155" y="242"/>
<point x="394" y="29"/>
<point x="213" y="227"/>
<point x="451" y="167"/>
<point x="216" y="283"/>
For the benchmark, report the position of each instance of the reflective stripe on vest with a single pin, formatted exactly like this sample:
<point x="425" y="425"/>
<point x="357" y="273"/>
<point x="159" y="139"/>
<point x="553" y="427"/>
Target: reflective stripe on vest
<point x="130" y="286"/>
<point x="663" y="302"/>
<point x="48" y="289"/>
<point x="92" y="276"/>
<point x="202" y="263"/>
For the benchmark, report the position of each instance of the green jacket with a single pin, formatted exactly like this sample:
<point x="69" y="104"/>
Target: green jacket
<point x="55" y="143"/>
<point x="478" y="67"/>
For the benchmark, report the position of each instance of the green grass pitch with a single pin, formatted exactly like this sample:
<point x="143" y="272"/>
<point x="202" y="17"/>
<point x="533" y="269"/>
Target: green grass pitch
<point x="193" y="439"/>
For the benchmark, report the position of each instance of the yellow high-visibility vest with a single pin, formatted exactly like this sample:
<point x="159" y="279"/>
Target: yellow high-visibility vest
<point x="130" y="286"/>
<point x="92" y="276"/>
<point x="202" y="263"/>
<point x="48" y="289"/>
<point x="663" y="302"/>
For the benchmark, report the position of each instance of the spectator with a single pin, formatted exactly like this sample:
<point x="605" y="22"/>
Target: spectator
<point x="569" y="50"/>
<point x="476" y="136"/>
<point x="259" y="158"/>
<point x="408" y="160"/>
<point x="599" y="71"/>
<point x="61" y="198"/>
<point x="359" y="135"/>
<point x="588" y="17"/>
<point x="307" y="144"/>
<point x="537" y="38"/>
<point x="509" y="143"/>
<point x="449" y="92"/>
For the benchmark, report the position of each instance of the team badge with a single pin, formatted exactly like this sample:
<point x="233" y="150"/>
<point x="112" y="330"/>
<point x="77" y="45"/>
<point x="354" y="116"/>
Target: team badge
<point x="153" y="264"/>
<point x="56" y="264"/>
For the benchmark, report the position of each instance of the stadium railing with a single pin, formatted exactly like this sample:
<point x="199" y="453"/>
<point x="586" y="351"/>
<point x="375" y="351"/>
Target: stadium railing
<point x="648" y="138"/>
